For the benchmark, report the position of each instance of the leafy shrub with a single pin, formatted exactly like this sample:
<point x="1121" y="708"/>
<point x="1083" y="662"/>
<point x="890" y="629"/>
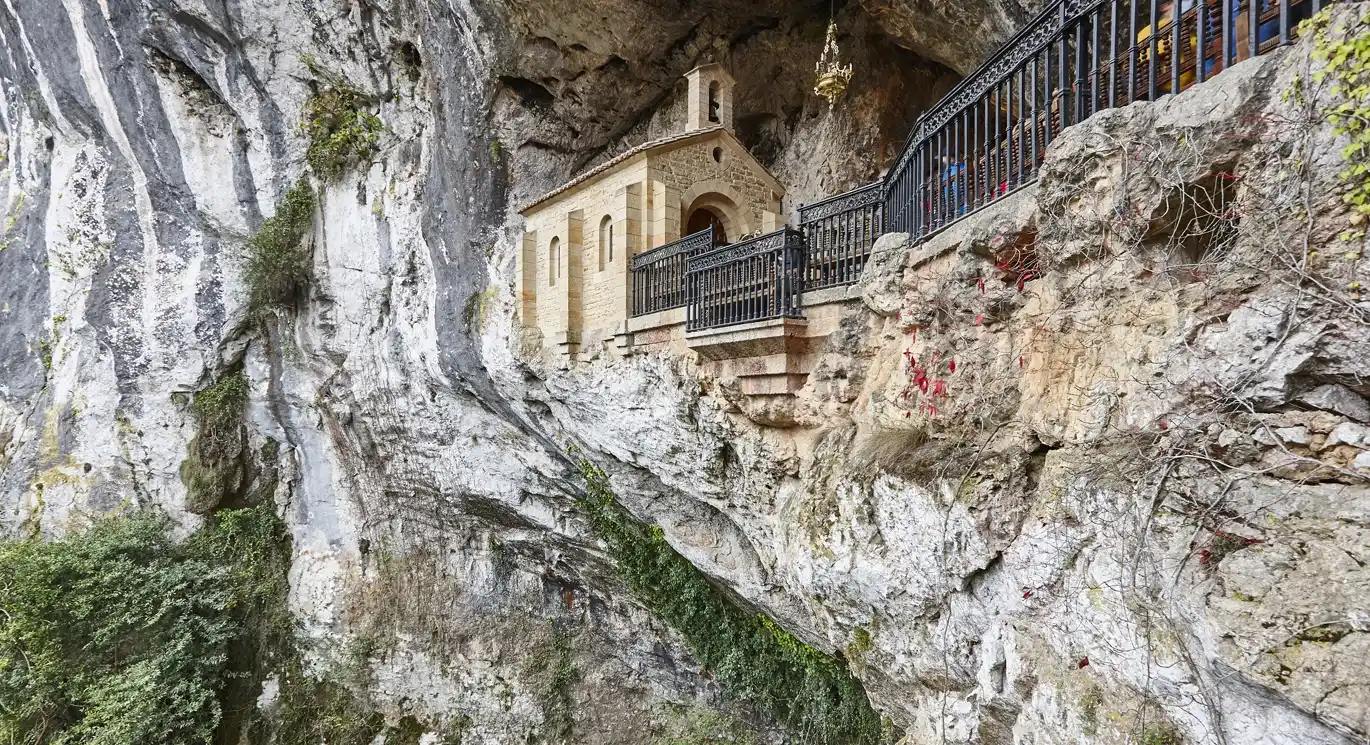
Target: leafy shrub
<point x="220" y="407"/>
<point x="253" y="546"/>
<point x="1347" y="68"/>
<point x="341" y="131"/>
<point x="277" y="260"/>
<point x="213" y="468"/>
<point x="810" y="693"/>
<point x="122" y="637"/>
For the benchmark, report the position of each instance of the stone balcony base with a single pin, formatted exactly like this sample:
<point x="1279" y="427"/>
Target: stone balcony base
<point x="760" y="365"/>
<point x="768" y="358"/>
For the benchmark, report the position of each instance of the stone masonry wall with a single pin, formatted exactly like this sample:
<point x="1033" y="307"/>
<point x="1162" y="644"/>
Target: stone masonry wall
<point x="601" y="296"/>
<point x="736" y="177"/>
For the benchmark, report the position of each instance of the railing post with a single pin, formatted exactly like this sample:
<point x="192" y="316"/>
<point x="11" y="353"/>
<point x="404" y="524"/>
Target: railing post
<point x="691" y="303"/>
<point x="1034" y="115"/>
<point x="1061" y="73"/>
<point x="1113" y="53"/>
<point x="1077" y="87"/>
<point x="778" y="285"/>
<point x="912" y="187"/>
<point x="1176" y="51"/>
<point x="1201" y="42"/>
<point x="1094" y="61"/>
<point x="1151" y="46"/>
<point x="1227" y="9"/>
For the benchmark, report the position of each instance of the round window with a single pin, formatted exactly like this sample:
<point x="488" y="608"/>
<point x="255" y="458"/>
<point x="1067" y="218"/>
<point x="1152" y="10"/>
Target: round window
<point x="718" y="155"/>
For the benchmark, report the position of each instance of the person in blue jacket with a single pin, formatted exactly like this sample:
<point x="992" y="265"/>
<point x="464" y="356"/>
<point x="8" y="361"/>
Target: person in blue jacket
<point x="951" y="184"/>
<point x="1299" y="10"/>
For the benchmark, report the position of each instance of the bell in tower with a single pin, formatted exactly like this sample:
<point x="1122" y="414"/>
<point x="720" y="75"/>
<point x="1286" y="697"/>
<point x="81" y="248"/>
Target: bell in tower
<point x="711" y="98"/>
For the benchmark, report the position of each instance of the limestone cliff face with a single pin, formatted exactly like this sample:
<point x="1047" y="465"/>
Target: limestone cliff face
<point x="1089" y="466"/>
<point x="957" y="35"/>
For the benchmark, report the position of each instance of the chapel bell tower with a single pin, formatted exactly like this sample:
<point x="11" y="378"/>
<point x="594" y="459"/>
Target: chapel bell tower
<point x="711" y="98"/>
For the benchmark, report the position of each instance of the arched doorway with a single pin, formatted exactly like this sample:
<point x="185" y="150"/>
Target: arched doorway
<point x="701" y="218"/>
<point x="702" y="206"/>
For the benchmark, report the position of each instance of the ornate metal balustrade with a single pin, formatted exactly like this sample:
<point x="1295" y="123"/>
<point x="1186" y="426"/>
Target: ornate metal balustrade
<point x="753" y="280"/>
<point x="659" y="274"/>
<point x="979" y="143"/>
<point x="986" y="138"/>
<point x="838" y="235"/>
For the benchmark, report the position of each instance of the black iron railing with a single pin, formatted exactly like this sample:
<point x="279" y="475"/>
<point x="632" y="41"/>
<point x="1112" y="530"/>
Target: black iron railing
<point x="986" y="138"/>
<point x="752" y="280"/>
<point x="659" y="274"/>
<point x="982" y="141"/>
<point x="838" y="235"/>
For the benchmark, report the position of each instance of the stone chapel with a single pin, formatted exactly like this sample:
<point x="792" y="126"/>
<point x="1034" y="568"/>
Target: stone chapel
<point x="575" y="280"/>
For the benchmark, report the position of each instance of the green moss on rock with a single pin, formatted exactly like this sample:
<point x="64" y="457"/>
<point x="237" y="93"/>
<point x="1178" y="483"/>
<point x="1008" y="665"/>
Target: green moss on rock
<point x="1160" y="733"/>
<point x="802" y="689"/>
<point x="313" y="710"/>
<point x="696" y="725"/>
<point x="553" y="674"/>
<point x="1090" y="701"/>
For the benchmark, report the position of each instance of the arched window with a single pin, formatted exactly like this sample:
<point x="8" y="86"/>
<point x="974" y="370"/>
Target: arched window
<point x="606" y="241"/>
<point x="553" y="261"/>
<point x="713" y="101"/>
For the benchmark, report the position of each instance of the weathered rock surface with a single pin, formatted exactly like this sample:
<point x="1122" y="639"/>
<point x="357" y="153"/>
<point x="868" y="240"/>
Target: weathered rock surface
<point x="959" y="35"/>
<point x="1136" y="505"/>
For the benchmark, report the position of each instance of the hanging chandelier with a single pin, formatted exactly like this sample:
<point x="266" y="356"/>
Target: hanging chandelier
<point x="832" y="75"/>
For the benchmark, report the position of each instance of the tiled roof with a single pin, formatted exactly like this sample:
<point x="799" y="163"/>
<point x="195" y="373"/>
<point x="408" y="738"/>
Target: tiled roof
<point x="610" y="163"/>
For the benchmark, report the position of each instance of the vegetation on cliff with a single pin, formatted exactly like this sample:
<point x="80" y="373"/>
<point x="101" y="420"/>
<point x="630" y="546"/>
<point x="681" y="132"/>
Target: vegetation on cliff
<point x="701" y="726"/>
<point x="1346" y="58"/>
<point x="277" y="259"/>
<point x="213" y="466"/>
<point x="121" y="636"/>
<point x="341" y="131"/>
<point x="808" y="692"/>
